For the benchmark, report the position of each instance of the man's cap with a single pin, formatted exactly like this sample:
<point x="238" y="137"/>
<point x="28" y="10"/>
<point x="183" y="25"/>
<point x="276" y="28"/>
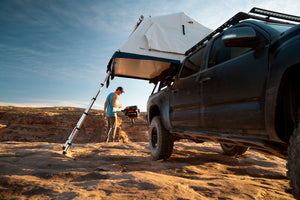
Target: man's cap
<point x="121" y="89"/>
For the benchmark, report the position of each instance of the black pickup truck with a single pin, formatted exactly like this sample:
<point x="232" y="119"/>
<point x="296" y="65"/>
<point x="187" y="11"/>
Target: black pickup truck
<point x="239" y="86"/>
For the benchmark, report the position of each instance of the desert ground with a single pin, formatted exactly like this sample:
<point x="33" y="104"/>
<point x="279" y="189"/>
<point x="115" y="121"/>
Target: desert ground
<point x="32" y="165"/>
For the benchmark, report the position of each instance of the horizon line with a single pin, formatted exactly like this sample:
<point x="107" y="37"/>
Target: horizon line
<point x="48" y="105"/>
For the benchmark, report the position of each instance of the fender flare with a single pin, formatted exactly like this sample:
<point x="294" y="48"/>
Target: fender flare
<point x="285" y="58"/>
<point x="160" y="103"/>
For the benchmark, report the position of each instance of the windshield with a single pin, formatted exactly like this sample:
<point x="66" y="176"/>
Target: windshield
<point x="280" y="27"/>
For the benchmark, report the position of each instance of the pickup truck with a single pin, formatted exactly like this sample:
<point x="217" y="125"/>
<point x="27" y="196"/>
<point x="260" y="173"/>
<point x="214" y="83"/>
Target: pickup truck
<point x="239" y="86"/>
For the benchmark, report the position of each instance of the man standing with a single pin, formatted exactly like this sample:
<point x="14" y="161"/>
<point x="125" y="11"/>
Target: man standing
<point x="110" y="106"/>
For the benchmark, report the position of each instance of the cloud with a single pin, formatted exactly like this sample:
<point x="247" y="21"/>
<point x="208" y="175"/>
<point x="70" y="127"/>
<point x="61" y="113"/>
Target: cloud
<point x="214" y="13"/>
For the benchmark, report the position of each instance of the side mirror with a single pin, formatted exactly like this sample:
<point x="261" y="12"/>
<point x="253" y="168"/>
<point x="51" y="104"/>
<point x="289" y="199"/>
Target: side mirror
<point x="239" y="37"/>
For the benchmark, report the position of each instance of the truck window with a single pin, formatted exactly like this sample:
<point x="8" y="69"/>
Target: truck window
<point x="193" y="63"/>
<point x="219" y="53"/>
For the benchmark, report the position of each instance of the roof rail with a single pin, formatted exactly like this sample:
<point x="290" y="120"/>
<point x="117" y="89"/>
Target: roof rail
<point x="242" y="16"/>
<point x="278" y="15"/>
<point x="235" y="19"/>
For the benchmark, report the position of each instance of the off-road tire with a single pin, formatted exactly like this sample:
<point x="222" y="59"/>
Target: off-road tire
<point x="293" y="162"/>
<point x="161" y="141"/>
<point x="233" y="150"/>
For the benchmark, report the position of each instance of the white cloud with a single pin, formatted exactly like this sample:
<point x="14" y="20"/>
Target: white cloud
<point x="214" y="13"/>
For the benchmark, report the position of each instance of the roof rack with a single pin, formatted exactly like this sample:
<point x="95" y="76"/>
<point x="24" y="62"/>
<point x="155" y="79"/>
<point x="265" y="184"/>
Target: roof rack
<point x="242" y="16"/>
<point x="278" y="15"/>
<point x="235" y="19"/>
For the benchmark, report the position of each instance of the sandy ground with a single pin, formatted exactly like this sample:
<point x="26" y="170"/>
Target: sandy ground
<point x="38" y="170"/>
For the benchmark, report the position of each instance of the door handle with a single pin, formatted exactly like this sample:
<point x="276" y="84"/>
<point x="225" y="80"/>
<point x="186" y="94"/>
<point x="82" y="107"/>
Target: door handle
<point x="204" y="80"/>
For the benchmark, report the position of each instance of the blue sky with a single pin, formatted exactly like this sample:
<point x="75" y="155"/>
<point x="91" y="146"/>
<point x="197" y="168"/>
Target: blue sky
<point x="54" y="53"/>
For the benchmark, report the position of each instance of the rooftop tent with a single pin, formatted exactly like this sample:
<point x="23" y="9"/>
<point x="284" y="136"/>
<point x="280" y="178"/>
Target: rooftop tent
<point x="156" y="44"/>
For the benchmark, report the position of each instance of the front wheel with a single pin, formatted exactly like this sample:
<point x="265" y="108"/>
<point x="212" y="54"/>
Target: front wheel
<point x="233" y="150"/>
<point x="293" y="162"/>
<point x="161" y="141"/>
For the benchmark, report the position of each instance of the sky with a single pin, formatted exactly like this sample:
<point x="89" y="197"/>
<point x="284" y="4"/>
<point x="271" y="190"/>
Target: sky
<point x="55" y="52"/>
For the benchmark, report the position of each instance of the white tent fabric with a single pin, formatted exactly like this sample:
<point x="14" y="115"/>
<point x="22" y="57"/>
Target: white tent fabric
<point x="155" y="44"/>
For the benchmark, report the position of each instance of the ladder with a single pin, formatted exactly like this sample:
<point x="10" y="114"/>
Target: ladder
<point x="82" y="118"/>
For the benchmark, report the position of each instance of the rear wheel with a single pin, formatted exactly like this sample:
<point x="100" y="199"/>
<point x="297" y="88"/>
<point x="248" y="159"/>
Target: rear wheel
<point x="293" y="162"/>
<point x="233" y="150"/>
<point x="161" y="141"/>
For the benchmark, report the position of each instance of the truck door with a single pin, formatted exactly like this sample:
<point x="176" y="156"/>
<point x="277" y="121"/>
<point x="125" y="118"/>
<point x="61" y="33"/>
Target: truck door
<point x="233" y="96"/>
<point x="185" y="94"/>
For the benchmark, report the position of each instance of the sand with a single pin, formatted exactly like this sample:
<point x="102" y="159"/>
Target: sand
<point x="32" y="165"/>
<point x="39" y="170"/>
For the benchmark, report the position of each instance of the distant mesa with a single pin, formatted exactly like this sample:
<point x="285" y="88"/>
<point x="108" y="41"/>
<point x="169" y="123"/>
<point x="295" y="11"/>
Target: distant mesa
<point x="65" y="108"/>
